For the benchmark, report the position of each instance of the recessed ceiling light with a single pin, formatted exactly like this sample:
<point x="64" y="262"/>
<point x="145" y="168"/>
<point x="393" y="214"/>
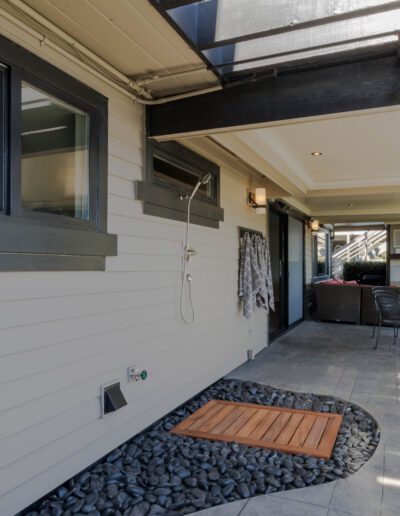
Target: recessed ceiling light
<point x="316" y="153"/>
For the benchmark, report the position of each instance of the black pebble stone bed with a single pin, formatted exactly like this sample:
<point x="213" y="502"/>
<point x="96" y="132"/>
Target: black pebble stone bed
<point x="159" y="473"/>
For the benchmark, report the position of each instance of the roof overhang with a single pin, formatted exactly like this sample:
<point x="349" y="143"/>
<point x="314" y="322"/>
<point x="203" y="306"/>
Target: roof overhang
<point x="360" y="82"/>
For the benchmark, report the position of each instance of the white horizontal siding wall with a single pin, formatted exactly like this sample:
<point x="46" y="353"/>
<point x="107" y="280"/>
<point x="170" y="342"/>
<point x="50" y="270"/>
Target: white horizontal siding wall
<point x="62" y="335"/>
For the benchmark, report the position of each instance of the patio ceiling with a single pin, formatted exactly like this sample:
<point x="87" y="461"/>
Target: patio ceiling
<point x="133" y="37"/>
<point x="356" y="177"/>
<point x="359" y="151"/>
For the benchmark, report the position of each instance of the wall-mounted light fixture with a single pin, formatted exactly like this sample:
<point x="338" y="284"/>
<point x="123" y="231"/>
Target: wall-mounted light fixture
<point x="313" y="224"/>
<point x="258" y="200"/>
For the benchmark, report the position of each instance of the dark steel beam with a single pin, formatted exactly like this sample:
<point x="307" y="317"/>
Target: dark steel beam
<point x="306" y="63"/>
<point x="335" y="88"/>
<point x="356" y="13"/>
<point x="173" y="4"/>
<point x="314" y="48"/>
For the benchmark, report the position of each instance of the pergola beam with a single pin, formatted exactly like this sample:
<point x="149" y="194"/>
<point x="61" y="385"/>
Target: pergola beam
<point x="337" y="88"/>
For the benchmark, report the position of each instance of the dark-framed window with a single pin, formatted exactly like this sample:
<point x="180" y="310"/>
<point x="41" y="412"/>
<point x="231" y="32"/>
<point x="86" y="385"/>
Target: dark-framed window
<point x="53" y="188"/>
<point x="321" y="253"/>
<point x="171" y="170"/>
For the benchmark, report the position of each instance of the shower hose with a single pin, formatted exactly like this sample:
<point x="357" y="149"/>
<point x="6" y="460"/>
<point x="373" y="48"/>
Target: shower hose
<point x="186" y="277"/>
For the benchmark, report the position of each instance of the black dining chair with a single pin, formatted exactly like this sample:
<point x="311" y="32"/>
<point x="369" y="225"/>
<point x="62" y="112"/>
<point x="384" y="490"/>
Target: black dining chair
<point x="380" y="290"/>
<point x="388" y="313"/>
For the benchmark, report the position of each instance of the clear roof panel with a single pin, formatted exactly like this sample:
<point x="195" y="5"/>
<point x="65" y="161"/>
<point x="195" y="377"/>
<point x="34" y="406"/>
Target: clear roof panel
<point x="239" y="35"/>
<point x="292" y="42"/>
<point x="231" y="19"/>
<point x="307" y="55"/>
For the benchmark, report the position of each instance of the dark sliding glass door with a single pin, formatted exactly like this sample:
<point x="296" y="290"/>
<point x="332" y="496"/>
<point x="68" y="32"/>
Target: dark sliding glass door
<point x="277" y="244"/>
<point x="286" y="238"/>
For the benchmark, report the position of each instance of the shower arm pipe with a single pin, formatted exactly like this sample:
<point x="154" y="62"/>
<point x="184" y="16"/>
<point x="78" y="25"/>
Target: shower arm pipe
<point x="128" y="83"/>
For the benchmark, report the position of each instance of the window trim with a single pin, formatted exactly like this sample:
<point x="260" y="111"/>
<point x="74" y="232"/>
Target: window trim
<point x="181" y="157"/>
<point x="15" y="208"/>
<point x="326" y="275"/>
<point x="162" y="200"/>
<point x="47" y="241"/>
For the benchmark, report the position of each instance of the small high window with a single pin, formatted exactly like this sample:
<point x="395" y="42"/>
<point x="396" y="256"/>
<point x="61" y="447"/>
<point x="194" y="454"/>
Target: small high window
<point x="170" y="174"/>
<point x="53" y="197"/>
<point x="172" y="170"/>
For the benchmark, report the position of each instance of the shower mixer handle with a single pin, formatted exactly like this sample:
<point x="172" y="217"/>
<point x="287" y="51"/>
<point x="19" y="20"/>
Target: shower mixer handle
<point x="190" y="253"/>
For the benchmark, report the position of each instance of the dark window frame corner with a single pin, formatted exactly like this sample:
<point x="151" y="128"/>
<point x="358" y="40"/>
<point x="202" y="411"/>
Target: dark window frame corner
<point x="33" y="240"/>
<point x="327" y="273"/>
<point x="162" y="200"/>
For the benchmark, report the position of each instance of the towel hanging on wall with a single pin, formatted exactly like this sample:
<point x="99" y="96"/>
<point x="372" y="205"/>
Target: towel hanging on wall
<point x="255" y="278"/>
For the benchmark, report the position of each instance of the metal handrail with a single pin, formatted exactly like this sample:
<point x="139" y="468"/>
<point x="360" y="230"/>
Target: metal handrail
<point x="360" y="246"/>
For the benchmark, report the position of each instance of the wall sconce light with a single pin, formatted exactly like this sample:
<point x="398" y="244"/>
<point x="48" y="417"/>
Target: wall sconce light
<point x="258" y="200"/>
<point x="314" y="224"/>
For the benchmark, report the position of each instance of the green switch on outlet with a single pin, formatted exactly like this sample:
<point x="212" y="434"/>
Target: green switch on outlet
<point x="144" y="374"/>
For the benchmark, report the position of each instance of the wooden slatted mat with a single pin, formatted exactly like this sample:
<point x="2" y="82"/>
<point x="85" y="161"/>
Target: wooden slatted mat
<point x="288" y="430"/>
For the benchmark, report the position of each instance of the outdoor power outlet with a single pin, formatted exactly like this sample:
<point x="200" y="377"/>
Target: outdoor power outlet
<point x="135" y="374"/>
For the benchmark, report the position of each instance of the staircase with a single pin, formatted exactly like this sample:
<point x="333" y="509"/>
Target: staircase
<point x="369" y="246"/>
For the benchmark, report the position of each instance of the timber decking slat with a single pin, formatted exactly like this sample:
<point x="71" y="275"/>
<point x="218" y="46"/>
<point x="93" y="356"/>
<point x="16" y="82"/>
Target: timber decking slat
<point x="239" y="422"/>
<point x="219" y="416"/>
<point x="277" y="427"/>
<point x="204" y="410"/>
<point x="330" y="434"/>
<point x="205" y="416"/>
<point x="251" y="424"/>
<point x="289" y="430"/>
<point x="314" y="437"/>
<point x="264" y="425"/>
<point x="302" y="432"/>
<point x="227" y="421"/>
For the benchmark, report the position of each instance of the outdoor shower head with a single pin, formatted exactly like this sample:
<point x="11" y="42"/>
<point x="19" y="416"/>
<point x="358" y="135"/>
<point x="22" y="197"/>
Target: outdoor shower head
<point x="203" y="180"/>
<point x="189" y="252"/>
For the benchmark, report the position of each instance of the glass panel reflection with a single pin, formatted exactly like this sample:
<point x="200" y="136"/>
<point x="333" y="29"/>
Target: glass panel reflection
<point x="55" y="155"/>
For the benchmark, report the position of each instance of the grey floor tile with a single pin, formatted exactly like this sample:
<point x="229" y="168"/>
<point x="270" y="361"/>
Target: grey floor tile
<point x="328" y="358"/>
<point x="389" y="511"/>
<point x="391" y="477"/>
<point x="273" y="506"/>
<point x="228" y="509"/>
<point x="359" y="494"/>
<point x="316" y="495"/>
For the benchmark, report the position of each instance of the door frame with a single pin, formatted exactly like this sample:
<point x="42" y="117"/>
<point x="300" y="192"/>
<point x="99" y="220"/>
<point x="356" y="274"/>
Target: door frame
<point x="282" y="209"/>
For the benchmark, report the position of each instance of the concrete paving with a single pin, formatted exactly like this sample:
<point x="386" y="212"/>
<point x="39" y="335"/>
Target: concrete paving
<point x="334" y="359"/>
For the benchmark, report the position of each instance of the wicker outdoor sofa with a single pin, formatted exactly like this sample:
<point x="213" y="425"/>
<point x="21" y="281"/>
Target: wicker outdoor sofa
<point x="346" y="302"/>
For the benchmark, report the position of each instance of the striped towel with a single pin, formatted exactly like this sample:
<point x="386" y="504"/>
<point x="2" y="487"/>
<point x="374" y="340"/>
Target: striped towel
<point x="255" y="278"/>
